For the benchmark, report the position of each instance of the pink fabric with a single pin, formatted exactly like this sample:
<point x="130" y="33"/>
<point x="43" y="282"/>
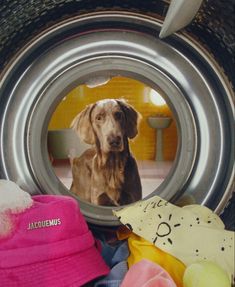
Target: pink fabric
<point x="147" y="274"/>
<point x="50" y="245"/>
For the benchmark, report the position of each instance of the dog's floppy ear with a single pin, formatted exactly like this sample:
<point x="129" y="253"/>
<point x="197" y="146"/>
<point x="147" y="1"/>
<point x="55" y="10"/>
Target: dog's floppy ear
<point x="82" y="125"/>
<point x="132" y="118"/>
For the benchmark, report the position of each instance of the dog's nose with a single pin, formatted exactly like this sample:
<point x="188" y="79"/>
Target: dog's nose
<point x="114" y="141"/>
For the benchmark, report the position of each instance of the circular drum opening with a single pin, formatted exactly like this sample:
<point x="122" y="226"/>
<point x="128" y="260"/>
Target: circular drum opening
<point x="88" y="71"/>
<point x="154" y="147"/>
<point x="111" y="45"/>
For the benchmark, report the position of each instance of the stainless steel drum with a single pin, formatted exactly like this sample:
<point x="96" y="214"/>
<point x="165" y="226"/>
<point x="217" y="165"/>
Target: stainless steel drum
<point x="47" y="49"/>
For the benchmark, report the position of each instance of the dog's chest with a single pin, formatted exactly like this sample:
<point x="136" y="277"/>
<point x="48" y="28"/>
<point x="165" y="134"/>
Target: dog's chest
<point x="111" y="174"/>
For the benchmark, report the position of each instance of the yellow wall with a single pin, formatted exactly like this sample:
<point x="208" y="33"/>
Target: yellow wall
<point x="143" y="146"/>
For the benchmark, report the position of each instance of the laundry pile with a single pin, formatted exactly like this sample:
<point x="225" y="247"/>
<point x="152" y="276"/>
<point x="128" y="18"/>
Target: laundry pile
<point x="45" y="241"/>
<point x="161" y="244"/>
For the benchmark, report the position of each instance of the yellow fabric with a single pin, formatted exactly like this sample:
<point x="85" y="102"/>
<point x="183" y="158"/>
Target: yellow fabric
<point x="142" y="249"/>
<point x="191" y="234"/>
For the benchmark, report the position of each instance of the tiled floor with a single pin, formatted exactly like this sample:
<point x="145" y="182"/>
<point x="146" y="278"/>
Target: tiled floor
<point x="152" y="173"/>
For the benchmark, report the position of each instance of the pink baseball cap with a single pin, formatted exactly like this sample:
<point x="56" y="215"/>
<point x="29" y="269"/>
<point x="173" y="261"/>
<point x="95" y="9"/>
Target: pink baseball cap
<point x="49" y="245"/>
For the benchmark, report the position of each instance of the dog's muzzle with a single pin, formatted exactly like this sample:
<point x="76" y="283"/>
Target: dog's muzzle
<point x="115" y="142"/>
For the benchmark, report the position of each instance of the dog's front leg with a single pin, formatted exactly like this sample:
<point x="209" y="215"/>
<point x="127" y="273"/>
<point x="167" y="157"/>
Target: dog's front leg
<point x="96" y="188"/>
<point x="114" y="195"/>
<point x="95" y="193"/>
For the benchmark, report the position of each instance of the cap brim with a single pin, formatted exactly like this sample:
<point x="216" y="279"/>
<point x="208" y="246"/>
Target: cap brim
<point x="69" y="271"/>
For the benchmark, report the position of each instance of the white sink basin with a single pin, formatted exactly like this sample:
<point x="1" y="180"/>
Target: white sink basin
<point x="159" y="122"/>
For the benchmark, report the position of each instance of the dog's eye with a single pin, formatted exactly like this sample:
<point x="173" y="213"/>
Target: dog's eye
<point x="99" y="117"/>
<point x="118" y="115"/>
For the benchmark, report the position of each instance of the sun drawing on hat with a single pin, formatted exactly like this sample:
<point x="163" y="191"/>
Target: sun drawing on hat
<point x="164" y="230"/>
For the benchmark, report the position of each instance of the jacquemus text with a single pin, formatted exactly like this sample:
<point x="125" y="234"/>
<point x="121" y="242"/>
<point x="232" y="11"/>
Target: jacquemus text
<point x="44" y="223"/>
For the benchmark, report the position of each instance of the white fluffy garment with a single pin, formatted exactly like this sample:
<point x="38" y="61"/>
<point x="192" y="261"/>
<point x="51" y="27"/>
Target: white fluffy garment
<point x="12" y="198"/>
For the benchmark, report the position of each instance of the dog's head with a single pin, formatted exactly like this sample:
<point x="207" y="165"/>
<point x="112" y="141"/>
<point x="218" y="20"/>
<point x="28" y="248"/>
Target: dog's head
<point x="106" y="124"/>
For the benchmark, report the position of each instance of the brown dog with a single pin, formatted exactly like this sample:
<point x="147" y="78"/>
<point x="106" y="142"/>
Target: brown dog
<point x="107" y="174"/>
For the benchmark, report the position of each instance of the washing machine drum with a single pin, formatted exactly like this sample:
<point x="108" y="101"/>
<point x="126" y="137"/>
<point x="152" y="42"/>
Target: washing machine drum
<point x="47" y="49"/>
